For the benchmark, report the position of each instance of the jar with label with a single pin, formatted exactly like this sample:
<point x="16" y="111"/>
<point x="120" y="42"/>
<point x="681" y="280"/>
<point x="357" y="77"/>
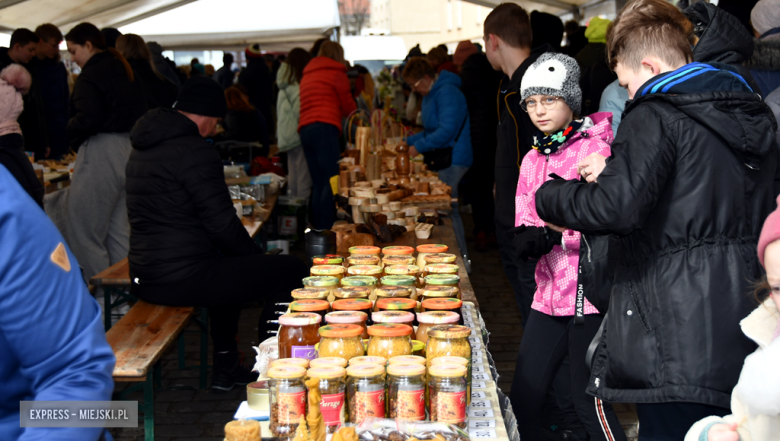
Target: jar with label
<point x="363" y="259"/>
<point x="288" y="399"/>
<point x="368" y="359"/>
<point x="327" y="362"/>
<point x="438" y="292"/>
<point x="328" y="259"/>
<point x="448" y="396"/>
<point x="397" y="251"/>
<point x="406" y="392"/>
<point x="402" y="317"/>
<point x="365" y="270"/>
<point x="407" y="305"/>
<point x="341" y="340"/>
<point x="349" y="318"/>
<point x="390" y="339"/>
<point x="302" y="362"/>
<point x="407" y="281"/>
<point x="298" y="333"/>
<point x="438" y="279"/>
<point x="449" y="340"/>
<point x="440" y="258"/>
<point x="407" y="359"/>
<point x="319" y="307"/>
<point x="365" y="392"/>
<point x="430" y="319"/>
<point x="333" y="390"/>
<point x="327" y="270"/>
<point x="405" y="270"/>
<point x="429" y="248"/>
<point x="364" y="251"/>
<point x="362" y="305"/>
<point x="445" y="304"/>
<point x="317" y="293"/>
<point x="392" y="292"/>
<point x="329" y="282"/>
<point x="398" y="260"/>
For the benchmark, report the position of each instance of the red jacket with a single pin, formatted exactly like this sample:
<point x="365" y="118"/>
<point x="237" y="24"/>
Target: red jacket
<point x="325" y="93"/>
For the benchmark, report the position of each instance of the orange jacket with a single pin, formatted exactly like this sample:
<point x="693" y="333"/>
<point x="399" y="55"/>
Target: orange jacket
<point x="325" y="93"/>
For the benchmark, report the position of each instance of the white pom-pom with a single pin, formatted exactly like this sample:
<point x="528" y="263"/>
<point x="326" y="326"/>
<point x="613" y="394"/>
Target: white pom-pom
<point x="17" y="76"/>
<point x="759" y="382"/>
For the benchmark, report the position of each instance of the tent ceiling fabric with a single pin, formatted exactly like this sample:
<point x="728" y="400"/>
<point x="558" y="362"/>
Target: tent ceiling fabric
<point x="558" y="5"/>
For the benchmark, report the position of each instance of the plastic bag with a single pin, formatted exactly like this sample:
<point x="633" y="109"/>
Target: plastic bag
<point x="267" y="352"/>
<point x="385" y="429"/>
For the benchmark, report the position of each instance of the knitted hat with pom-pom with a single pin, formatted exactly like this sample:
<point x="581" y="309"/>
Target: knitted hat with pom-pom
<point x="554" y="74"/>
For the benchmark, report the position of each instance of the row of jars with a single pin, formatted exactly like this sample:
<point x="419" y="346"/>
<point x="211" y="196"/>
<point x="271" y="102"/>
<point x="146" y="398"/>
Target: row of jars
<point x="391" y="255"/>
<point x="370" y="390"/>
<point x="437" y="298"/>
<point x="405" y="277"/>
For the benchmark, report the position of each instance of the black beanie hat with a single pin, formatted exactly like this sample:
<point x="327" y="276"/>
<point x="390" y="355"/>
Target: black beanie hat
<point x="202" y="96"/>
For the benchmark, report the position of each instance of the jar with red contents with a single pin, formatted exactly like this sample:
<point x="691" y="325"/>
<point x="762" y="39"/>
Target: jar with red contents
<point x="362" y="305"/>
<point x="298" y="334"/>
<point x="349" y="318"/>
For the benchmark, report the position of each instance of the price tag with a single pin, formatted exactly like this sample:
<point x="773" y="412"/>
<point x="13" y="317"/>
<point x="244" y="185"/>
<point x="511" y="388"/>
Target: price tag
<point x="467" y="306"/>
<point x="475" y="341"/>
<point x="473" y="332"/>
<point x="477" y="368"/>
<point x="480" y="377"/>
<point x="476" y="395"/>
<point x="478" y="385"/>
<point x="481" y="413"/>
<point x="480" y="404"/>
<point x="476" y="359"/>
<point x="482" y="424"/>
<point x="482" y="433"/>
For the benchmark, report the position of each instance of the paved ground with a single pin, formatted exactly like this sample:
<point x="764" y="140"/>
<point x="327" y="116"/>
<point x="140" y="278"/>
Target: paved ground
<point x="198" y="415"/>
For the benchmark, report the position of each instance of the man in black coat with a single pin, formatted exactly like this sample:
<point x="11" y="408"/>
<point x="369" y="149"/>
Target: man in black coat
<point x="187" y="246"/>
<point x="257" y="80"/>
<point x="225" y="75"/>
<point x="54" y="89"/>
<point x="687" y="188"/>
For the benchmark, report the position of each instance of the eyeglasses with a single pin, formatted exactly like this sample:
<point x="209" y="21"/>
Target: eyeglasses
<point x="549" y="103"/>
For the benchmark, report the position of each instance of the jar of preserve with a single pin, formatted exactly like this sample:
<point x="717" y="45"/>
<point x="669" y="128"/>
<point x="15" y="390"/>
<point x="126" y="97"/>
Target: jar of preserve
<point x="368" y="359"/>
<point x="398" y="260"/>
<point x="341" y="340"/>
<point x="328" y="259"/>
<point x="319" y="307"/>
<point x="349" y="318"/>
<point x="369" y="282"/>
<point x="407" y="359"/>
<point x="365" y="270"/>
<point x="443" y="304"/>
<point x="363" y="259"/>
<point x="404" y="270"/>
<point x="298" y="333"/>
<point x="317" y="293"/>
<point x="459" y="361"/>
<point x="362" y="305"/>
<point x="352" y="292"/>
<point x="440" y="258"/>
<point x="407" y="305"/>
<point x="449" y="340"/>
<point x="365" y="392"/>
<point x="406" y="392"/>
<point x="302" y="362"/>
<point x="288" y="399"/>
<point x="438" y="292"/>
<point x="429" y="248"/>
<point x="406" y="281"/>
<point x="448" y="394"/>
<point x="430" y="319"/>
<point x="438" y="279"/>
<point x="389" y="339"/>
<point x="397" y="251"/>
<point x="402" y="317"/>
<point x="333" y="389"/>
<point x="364" y="251"/>
<point x="327" y="362"/>
<point x="329" y="282"/>
<point x="328" y="270"/>
<point x="391" y="292"/>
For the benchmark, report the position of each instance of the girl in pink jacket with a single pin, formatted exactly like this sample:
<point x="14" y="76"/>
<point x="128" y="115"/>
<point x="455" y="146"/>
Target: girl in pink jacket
<point x="551" y="95"/>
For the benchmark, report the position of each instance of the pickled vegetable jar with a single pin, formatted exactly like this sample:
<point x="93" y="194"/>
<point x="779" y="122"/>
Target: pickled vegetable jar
<point x="368" y="359"/>
<point x="349" y="318"/>
<point x="365" y="392"/>
<point x="333" y="389"/>
<point x="319" y="293"/>
<point x="363" y="305"/>
<point x="425" y="249"/>
<point x="430" y="319"/>
<point x="288" y="399"/>
<point x="363" y="259"/>
<point x="328" y="270"/>
<point x="406" y="392"/>
<point x="328" y="259"/>
<point x="407" y="359"/>
<point x="298" y="334"/>
<point x="319" y="307"/>
<point x="328" y="361"/>
<point x="388" y="340"/>
<point x="448" y="396"/>
<point x="341" y="340"/>
<point x="403" y="317"/>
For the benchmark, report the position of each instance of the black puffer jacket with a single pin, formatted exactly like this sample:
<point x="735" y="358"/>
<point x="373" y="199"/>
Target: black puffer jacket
<point x="158" y="90"/>
<point x="765" y="64"/>
<point x="180" y="211"/>
<point x="257" y="80"/>
<point x="688" y="187"/>
<point x="479" y="82"/>
<point x="104" y="100"/>
<point x="13" y="157"/>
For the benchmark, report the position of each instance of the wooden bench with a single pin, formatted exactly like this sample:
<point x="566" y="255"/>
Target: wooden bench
<point x="114" y="284"/>
<point x="139" y="340"/>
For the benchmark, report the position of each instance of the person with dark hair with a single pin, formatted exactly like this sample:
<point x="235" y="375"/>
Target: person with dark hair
<point x="158" y="90"/>
<point x="546" y="29"/>
<point x="441" y="61"/>
<point x="764" y="63"/>
<point x="257" y="80"/>
<point x="315" y="48"/>
<point x="243" y="122"/>
<point x="54" y="89"/>
<point x="575" y="38"/>
<point x="106" y="102"/>
<point x="111" y="35"/>
<point x="225" y="75"/>
<point x="592" y="60"/>
<point x="164" y="66"/>
<point x="188" y="247"/>
<point x="288" y="113"/>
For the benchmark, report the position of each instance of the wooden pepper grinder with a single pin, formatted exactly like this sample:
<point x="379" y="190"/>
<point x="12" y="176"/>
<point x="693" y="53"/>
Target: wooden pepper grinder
<point x="402" y="163"/>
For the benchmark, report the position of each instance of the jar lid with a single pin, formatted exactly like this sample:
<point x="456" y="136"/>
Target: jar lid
<point x="358" y="280"/>
<point x="363" y="250"/>
<point x="402" y="270"/>
<point x="346" y="317"/>
<point x="390" y="330"/>
<point x="365" y="270"/>
<point x="397" y="251"/>
<point x="440" y="291"/>
<point x="392" y="317"/>
<point x="439" y="304"/>
<point x="341" y="331"/>
<point x="449" y="331"/>
<point x="398" y="280"/>
<point x="328" y="259"/>
<point x="440" y="258"/>
<point x="363" y="259"/>
<point x="406" y="370"/>
<point x="288" y="371"/>
<point x="321" y="281"/>
<point x="393" y="291"/>
<point x="326" y="372"/>
<point x="309" y="305"/>
<point x="299" y="319"/>
<point x="262" y="384"/>
<point x="367" y="359"/>
<point x="327" y="270"/>
<point x="398" y="260"/>
<point x="432" y="248"/>
<point x="352" y="304"/>
<point x="310" y="292"/>
<point x="445" y="370"/>
<point x="406" y="359"/>
<point x="396" y="304"/>
<point x="450" y="359"/>
<point x="365" y="370"/>
<point x="417" y="346"/>
<point x="302" y="362"/>
<point x="352" y="292"/>
<point x="434" y="317"/>
<point x="327" y="362"/>
<point x="441" y="279"/>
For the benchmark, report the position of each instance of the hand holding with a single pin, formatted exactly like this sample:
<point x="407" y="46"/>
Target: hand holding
<point x="592" y="166"/>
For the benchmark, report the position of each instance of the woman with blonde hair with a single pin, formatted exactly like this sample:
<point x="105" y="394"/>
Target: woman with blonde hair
<point x="159" y="92"/>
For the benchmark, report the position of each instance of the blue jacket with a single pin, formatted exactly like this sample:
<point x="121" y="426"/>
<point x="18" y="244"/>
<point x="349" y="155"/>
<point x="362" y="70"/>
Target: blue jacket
<point x="443" y="112"/>
<point x="614" y="100"/>
<point x="52" y="343"/>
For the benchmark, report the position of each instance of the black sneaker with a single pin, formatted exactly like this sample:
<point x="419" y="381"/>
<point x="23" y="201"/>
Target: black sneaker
<point x="228" y="375"/>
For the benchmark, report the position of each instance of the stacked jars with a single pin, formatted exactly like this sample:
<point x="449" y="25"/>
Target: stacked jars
<point x="449" y="340"/>
<point x="365" y="270"/>
<point x="328" y="259"/>
<point x="309" y="293"/>
<point x="443" y="304"/>
<point x="328" y="270"/>
<point x="287" y="398"/>
<point x="341" y="340"/>
<point x="391" y="292"/>
<point x="352" y="292"/>
<point x="298" y="334"/>
<point x="394" y="260"/>
<point x="395" y="304"/>
<point x="363" y="259"/>
<point x="365" y="392"/>
<point x="388" y="340"/>
<point x="450" y="280"/>
<point x="405" y="270"/>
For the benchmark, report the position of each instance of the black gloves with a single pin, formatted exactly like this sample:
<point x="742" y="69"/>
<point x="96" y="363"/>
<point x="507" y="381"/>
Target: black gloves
<point x="534" y="242"/>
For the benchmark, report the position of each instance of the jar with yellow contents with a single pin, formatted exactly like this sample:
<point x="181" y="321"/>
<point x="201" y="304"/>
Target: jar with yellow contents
<point x="349" y="318"/>
<point x="429" y="248"/>
<point x="443" y="304"/>
<point x="288" y="399"/>
<point x="406" y="392"/>
<point x="428" y="320"/>
<point x="341" y="340"/>
<point x="449" y="340"/>
<point x="452" y="280"/>
<point x="388" y="340"/>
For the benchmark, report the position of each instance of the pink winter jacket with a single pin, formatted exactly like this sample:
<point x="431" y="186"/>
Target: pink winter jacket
<point x="556" y="272"/>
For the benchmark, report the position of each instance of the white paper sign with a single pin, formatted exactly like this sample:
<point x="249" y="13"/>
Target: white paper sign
<point x="480" y="404"/>
<point x="478" y="385"/>
<point x="478" y="368"/>
<point x="482" y="433"/>
<point x="482" y="424"/>
<point x="481" y="413"/>
<point x="476" y="395"/>
<point x="480" y="377"/>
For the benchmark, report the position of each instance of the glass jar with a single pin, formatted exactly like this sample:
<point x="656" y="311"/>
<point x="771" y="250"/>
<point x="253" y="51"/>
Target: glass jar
<point x="402" y="317"/>
<point x="365" y="270"/>
<point x="298" y="333"/>
<point x="317" y="293"/>
<point x="327" y="270"/>
<point x="449" y="340"/>
<point x="405" y="270"/>
<point x="440" y="258"/>
<point x="328" y="259"/>
<point x="362" y="305"/>
<point x="407" y="305"/>
<point x="333" y="390"/>
<point x="319" y="307"/>
<point x="349" y="318"/>
<point x="288" y="399"/>
<point x="341" y="340"/>
<point x="398" y="260"/>
<point x="397" y="251"/>
<point x="369" y="282"/>
<point x="302" y="362"/>
<point x="430" y="319"/>
<point x="438" y="292"/>
<point x="368" y="359"/>
<point x="257" y="395"/>
<point x="429" y="248"/>
<point x="407" y="281"/>
<point x="406" y="392"/>
<point x="448" y="394"/>
<point x="352" y="292"/>
<point x="364" y="251"/>
<point x="438" y="279"/>
<point x="365" y="392"/>
<point x="407" y="359"/>
<point x="445" y="304"/>
<point x="389" y="339"/>
<point x="391" y="292"/>
<point x="327" y="362"/>
<point x="450" y="360"/>
<point x="329" y="282"/>
<point x="363" y="259"/>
